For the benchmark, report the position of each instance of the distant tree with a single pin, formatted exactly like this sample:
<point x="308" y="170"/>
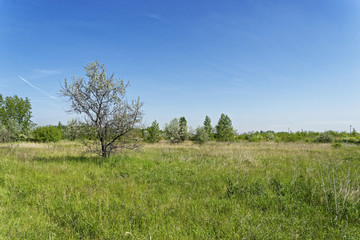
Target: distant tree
<point x="172" y="131"/>
<point x="60" y="126"/>
<point x="15" y="115"/>
<point x="224" y="129"/>
<point x="73" y="130"/>
<point x="353" y="133"/>
<point x="201" y="135"/>
<point x="47" y="134"/>
<point x="102" y="100"/>
<point x="153" y="133"/>
<point x="183" y="129"/>
<point x="208" y="128"/>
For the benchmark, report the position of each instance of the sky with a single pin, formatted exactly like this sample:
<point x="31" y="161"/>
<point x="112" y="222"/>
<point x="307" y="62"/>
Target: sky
<point x="268" y="64"/>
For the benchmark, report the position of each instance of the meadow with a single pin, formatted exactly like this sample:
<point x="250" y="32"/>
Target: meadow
<point x="244" y="190"/>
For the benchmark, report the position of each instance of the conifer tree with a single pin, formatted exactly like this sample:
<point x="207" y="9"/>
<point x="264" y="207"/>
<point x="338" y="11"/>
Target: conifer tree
<point x="183" y="129"/>
<point x="153" y="132"/>
<point x="208" y="128"/>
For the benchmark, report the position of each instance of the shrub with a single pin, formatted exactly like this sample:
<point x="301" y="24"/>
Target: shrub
<point x="172" y="131"/>
<point x="73" y="129"/>
<point x="288" y="137"/>
<point x="336" y="145"/>
<point x="269" y="136"/>
<point x="5" y="134"/>
<point x="201" y="135"/>
<point x="47" y="134"/>
<point x="352" y="140"/>
<point x="324" y="138"/>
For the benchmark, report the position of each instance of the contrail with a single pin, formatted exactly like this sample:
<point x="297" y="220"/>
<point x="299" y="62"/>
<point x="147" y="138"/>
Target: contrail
<point x="40" y="90"/>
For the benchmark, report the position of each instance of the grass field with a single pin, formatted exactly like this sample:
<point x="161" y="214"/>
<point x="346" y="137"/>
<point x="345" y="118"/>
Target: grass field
<point x="162" y="191"/>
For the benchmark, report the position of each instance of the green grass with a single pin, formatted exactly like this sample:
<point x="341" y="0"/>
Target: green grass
<point x="215" y="191"/>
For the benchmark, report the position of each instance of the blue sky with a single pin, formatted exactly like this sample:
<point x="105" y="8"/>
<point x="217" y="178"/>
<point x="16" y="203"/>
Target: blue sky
<point x="269" y="65"/>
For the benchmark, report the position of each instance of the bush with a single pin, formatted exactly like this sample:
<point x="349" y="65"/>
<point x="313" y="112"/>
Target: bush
<point x="352" y="140"/>
<point x="172" y="131"/>
<point x="288" y="137"/>
<point x="201" y="135"/>
<point x="336" y="145"/>
<point x="6" y="135"/>
<point x="73" y="130"/>
<point x="47" y="134"/>
<point x="269" y="136"/>
<point x="324" y="138"/>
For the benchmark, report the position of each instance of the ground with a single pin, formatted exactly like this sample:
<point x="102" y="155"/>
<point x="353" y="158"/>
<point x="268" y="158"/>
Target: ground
<point x="240" y="190"/>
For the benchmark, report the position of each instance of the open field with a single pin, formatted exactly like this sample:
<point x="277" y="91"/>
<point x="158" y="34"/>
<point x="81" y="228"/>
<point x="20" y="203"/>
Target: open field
<point x="162" y="191"/>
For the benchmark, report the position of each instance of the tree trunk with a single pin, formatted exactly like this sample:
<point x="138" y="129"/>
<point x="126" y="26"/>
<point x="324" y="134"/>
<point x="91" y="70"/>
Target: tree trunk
<point x="103" y="150"/>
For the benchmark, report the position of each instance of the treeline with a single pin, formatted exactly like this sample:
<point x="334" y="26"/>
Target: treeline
<point x="176" y="131"/>
<point x="305" y="136"/>
<point x="16" y="125"/>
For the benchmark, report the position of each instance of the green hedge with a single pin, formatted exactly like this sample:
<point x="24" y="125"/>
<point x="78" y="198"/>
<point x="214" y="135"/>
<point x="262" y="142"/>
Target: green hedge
<point x="47" y="134"/>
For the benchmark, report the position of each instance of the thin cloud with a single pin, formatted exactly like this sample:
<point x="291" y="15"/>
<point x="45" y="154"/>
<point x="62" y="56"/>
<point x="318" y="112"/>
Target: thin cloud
<point x="40" y="90"/>
<point x="47" y="72"/>
<point x="153" y="16"/>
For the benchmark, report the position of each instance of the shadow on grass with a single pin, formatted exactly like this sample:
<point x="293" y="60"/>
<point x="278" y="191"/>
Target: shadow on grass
<point x="79" y="159"/>
<point x="84" y="159"/>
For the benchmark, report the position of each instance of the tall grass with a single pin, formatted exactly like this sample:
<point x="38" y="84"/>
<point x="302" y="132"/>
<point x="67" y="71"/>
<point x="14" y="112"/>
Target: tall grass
<point x="185" y="191"/>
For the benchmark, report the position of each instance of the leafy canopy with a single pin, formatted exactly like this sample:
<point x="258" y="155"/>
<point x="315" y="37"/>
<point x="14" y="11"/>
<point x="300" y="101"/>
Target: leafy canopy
<point x="47" y="134"/>
<point x="224" y="129"/>
<point x="15" y="116"/>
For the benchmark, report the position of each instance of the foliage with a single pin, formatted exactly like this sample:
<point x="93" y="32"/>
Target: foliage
<point x="208" y="128"/>
<point x="305" y="136"/>
<point x="224" y="129"/>
<point x="6" y="135"/>
<point x="15" y="115"/>
<point x="183" y="131"/>
<point x="336" y="145"/>
<point x="73" y="130"/>
<point x="352" y="140"/>
<point x="102" y="100"/>
<point x="153" y="132"/>
<point x="201" y="135"/>
<point x="172" y="131"/>
<point x="324" y="138"/>
<point x="47" y="134"/>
